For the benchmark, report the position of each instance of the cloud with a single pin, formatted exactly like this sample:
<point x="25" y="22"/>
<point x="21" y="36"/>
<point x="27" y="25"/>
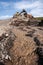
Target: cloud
<point x="5" y="17"/>
<point x="37" y="12"/>
<point x="35" y="7"/>
<point x="26" y="4"/>
<point x="4" y="4"/>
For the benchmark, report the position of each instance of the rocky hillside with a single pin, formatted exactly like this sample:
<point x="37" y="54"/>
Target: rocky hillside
<point x="23" y="18"/>
<point x="21" y="41"/>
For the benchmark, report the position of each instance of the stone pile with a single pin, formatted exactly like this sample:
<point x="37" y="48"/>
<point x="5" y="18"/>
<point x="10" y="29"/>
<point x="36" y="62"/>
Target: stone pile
<point x="24" y="18"/>
<point x="6" y="43"/>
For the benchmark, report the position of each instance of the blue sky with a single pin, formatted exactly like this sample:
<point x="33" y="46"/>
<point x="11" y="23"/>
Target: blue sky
<point x="9" y="7"/>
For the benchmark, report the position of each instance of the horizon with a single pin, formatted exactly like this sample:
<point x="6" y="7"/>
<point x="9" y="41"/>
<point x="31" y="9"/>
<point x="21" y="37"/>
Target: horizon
<point x="10" y="7"/>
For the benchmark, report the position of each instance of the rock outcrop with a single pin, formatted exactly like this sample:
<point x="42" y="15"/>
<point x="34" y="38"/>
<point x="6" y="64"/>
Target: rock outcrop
<point x="6" y="43"/>
<point x="24" y="18"/>
<point x="21" y="43"/>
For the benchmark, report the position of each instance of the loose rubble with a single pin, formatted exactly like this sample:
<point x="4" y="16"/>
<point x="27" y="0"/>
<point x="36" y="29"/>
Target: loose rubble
<point x="25" y="18"/>
<point x="6" y="43"/>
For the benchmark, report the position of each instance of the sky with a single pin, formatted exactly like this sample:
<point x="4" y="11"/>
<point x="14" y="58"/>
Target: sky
<point x="9" y="7"/>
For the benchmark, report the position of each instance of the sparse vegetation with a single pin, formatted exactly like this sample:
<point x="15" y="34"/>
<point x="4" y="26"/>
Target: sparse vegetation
<point x="39" y="18"/>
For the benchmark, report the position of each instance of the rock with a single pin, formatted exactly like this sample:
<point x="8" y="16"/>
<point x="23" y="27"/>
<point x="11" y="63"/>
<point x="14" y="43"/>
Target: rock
<point x="1" y="38"/>
<point x="23" y="12"/>
<point x="17" y="14"/>
<point x="40" y="23"/>
<point x="1" y="63"/>
<point x="6" y="35"/>
<point x="37" y="41"/>
<point x="6" y="44"/>
<point x="30" y="35"/>
<point x="40" y="55"/>
<point x="7" y="57"/>
<point x="25" y="18"/>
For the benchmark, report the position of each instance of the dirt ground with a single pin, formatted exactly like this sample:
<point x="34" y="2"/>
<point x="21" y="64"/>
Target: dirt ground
<point x="28" y="39"/>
